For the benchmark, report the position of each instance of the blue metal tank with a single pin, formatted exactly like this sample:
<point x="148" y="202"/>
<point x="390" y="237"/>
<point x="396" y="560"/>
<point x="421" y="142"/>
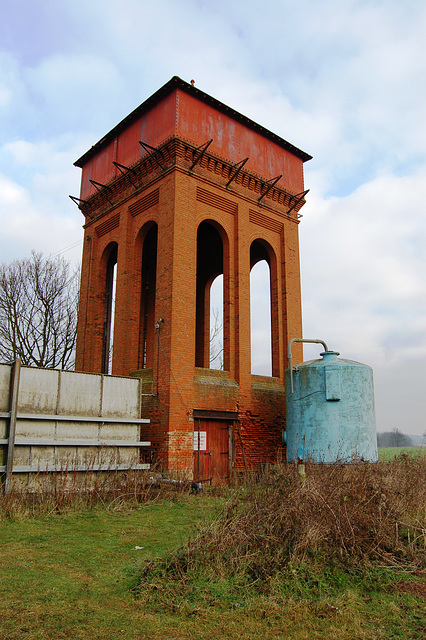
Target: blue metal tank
<point x="330" y="410"/>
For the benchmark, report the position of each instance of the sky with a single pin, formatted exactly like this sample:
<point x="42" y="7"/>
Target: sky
<point x="343" y="80"/>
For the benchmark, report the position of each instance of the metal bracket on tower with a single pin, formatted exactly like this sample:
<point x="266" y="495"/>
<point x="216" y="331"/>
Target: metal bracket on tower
<point x="102" y="188"/>
<point x="154" y="152"/>
<point x="202" y="149"/>
<point x="78" y="201"/>
<point x="120" y="167"/>
<point x="125" y="172"/>
<point x="271" y="183"/>
<point x="237" y="168"/>
<point x="297" y="198"/>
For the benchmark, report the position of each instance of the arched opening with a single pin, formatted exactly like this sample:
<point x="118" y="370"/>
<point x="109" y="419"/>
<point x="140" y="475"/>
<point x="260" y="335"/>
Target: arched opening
<point x="263" y="310"/>
<point x="109" y="307"/>
<point x="210" y="297"/>
<point x="148" y="289"/>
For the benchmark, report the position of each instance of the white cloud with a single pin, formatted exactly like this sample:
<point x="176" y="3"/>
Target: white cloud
<point x="35" y="211"/>
<point x="26" y="226"/>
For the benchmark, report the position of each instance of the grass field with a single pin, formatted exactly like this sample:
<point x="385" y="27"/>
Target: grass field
<point x="70" y="576"/>
<point x="84" y="574"/>
<point x="389" y="453"/>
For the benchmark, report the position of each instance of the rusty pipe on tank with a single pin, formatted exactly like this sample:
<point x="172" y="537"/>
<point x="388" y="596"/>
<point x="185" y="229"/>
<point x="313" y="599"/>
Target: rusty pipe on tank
<point x="289" y="356"/>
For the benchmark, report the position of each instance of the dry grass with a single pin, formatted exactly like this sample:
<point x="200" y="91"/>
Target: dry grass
<point x="346" y="515"/>
<point x="72" y="491"/>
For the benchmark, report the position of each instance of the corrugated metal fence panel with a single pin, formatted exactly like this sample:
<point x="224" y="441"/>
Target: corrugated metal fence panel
<point x="87" y="421"/>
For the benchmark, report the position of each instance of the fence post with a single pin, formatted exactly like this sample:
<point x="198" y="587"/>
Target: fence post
<point x="13" y="406"/>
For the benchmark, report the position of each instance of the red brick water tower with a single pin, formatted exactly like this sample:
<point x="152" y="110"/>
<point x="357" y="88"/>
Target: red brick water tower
<point x="183" y="190"/>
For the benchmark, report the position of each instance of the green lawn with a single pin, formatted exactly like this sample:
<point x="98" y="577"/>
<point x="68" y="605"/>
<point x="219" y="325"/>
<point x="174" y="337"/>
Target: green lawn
<point x="389" y="453"/>
<point x="71" y="576"/>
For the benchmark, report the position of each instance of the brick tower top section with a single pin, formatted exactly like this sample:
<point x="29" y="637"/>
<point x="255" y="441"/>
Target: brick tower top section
<point x="179" y="110"/>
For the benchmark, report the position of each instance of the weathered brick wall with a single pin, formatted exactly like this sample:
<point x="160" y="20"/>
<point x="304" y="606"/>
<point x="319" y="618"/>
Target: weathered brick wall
<point x="262" y="422"/>
<point x="259" y="440"/>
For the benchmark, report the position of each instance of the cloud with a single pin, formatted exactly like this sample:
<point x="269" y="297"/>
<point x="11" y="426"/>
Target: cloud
<point x="35" y="211"/>
<point x="70" y="91"/>
<point x="370" y="254"/>
<point x="27" y="226"/>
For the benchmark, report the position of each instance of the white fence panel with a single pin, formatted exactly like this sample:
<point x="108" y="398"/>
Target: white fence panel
<point x="75" y="420"/>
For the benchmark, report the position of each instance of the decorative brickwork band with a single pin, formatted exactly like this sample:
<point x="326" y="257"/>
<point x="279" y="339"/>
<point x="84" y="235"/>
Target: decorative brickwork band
<point x="265" y="222"/>
<point x="213" y="200"/>
<point x="110" y="224"/>
<point x="144" y="203"/>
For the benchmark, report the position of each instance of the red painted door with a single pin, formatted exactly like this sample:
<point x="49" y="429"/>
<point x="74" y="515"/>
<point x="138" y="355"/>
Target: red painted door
<point x="212" y="450"/>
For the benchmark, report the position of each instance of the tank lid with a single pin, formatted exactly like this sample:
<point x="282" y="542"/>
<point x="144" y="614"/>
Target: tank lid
<point x="330" y="356"/>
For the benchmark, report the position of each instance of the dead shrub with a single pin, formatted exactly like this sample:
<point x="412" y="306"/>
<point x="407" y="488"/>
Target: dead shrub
<point x="345" y="514"/>
<point x="69" y="489"/>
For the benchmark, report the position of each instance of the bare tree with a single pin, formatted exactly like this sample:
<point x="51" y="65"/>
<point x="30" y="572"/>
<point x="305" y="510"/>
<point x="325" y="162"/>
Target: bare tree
<point x="216" y="340"/>
<point x="400" y="439"/>
<point x="38" y="311"/>
<point x="394" y="438"/>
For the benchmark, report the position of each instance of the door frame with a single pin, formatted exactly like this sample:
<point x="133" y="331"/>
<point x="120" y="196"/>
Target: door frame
<point x="231" y="417"/>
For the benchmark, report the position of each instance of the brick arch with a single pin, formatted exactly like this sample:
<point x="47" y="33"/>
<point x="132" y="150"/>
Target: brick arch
<point x="212" y="261"/>
<point x="260" y="250"/>
<point x="111" y="247"/>
<point x="141" y="235"/>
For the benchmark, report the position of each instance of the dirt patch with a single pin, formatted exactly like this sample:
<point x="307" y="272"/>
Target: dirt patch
<point x="417" y="589"/>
